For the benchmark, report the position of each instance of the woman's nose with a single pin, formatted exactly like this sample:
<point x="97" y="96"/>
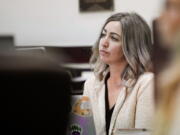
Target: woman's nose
<point x="105" y="42"/>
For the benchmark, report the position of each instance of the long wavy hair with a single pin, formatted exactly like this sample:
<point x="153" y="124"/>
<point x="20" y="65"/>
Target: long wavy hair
<point x="136" y="46"/>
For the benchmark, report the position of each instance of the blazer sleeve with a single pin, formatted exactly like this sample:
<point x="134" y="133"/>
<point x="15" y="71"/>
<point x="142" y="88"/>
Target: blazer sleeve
<point x="145" y="103"/>
<point x="88" y="86"/>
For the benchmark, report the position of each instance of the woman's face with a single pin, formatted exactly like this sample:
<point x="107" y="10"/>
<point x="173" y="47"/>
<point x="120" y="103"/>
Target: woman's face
<point x="110" y="44"/>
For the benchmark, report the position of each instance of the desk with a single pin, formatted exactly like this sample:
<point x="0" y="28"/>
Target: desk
<point x="80" y="66"/>
<point x="76" y="69"/>
<point x="80" y="73"/>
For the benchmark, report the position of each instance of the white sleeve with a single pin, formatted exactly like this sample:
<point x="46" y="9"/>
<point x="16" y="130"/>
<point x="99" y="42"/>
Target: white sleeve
<point x="88" y="86"/>
<point x="145" y="104"/>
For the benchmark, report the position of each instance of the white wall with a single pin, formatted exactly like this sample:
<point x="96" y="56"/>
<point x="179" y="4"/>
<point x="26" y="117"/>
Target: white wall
<point x="59" y="22"/>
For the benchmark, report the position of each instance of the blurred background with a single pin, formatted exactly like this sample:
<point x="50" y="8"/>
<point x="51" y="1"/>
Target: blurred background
<point x="61" y="33"/>
<point x="62" y="23"/>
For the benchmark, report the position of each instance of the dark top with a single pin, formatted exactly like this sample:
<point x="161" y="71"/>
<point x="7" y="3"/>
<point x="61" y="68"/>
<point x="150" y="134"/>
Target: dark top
<point x="109" y="111"/>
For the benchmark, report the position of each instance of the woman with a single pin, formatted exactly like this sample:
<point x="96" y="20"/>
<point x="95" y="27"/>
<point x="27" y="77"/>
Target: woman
<point x="121" y="91"/>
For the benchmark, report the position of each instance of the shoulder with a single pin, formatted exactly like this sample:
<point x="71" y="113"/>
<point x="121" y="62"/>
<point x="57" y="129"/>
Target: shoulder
<point x="145" y="78"/>
<point x="90" y="84"/>
<point x="145" y="83"/>
<point x="90" y="81"/>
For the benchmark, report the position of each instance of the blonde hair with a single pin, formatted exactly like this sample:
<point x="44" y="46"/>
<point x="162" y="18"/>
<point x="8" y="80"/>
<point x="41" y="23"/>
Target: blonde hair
<point x="137" y="46"/>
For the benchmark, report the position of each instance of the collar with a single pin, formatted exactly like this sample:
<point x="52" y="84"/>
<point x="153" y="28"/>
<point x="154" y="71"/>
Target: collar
<point x="126" y="83"/>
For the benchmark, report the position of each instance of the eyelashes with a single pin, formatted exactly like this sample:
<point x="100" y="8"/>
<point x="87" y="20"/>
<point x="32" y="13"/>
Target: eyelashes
<point x="112" y="37"/>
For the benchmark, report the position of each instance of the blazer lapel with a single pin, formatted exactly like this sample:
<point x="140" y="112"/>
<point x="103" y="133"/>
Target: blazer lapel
<point x="101" y="104"/>
<point x="99" y="112"/>
<point x="118" y="106"/>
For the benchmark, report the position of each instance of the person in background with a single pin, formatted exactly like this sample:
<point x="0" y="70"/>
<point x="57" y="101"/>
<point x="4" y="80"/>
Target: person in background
<point x="121" y="90"/>
<point x="168" y="78"/>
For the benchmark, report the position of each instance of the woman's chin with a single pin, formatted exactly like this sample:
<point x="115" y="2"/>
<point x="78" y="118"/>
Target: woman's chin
<point x="104" y="60"/>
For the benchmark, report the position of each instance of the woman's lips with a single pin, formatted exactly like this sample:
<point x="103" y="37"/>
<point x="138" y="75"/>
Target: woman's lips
<point x="103" y="52"/>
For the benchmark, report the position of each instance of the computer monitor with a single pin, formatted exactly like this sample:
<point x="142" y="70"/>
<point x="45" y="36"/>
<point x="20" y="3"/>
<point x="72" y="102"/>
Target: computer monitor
<point x="34" y="96"/>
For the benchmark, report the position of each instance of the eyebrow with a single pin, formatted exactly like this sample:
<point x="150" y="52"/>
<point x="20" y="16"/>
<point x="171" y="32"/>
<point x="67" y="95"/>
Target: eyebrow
<point x="113" y="33"/>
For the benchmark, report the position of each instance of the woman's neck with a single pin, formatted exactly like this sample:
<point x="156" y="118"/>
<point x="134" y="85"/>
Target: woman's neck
<point x="116" y="70"/>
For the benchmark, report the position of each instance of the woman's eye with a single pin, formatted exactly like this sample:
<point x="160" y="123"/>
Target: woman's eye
<point x="114" y="38"/>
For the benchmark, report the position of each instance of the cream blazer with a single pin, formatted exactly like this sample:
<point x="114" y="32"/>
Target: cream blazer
<point x="134" y="107"/>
